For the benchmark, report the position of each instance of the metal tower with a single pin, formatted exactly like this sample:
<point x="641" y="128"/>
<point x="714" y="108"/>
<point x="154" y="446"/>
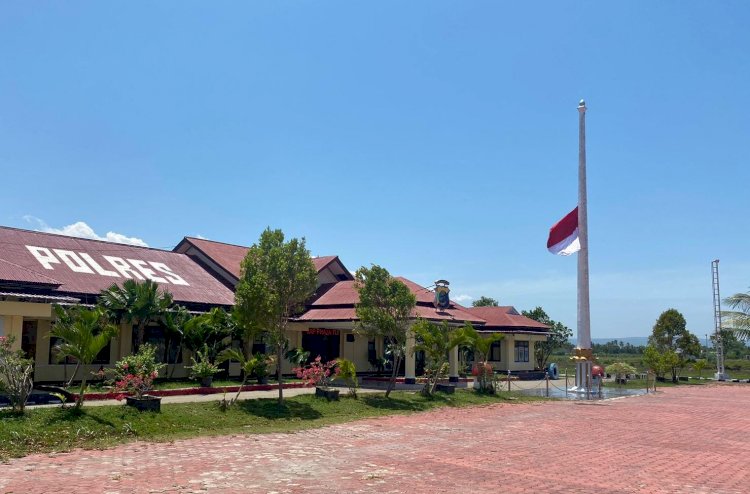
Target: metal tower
<point x="718" y="344"/>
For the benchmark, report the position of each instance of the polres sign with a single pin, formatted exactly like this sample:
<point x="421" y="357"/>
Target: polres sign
<point x="81" y="262"/>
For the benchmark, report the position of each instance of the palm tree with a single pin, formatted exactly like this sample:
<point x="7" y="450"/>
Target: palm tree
<point x="738" y="320"/>
<point x="436" y="341"/>
<point x="84" y="333"/>
<point x="211" y="330"/>
<point x="137" y="303"/>
<point x="481" y="345"/>
<point x="173" y="323"/>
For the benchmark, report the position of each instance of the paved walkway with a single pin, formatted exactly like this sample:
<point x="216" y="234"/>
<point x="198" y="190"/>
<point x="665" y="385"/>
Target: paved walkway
<point x="682" y="440"/>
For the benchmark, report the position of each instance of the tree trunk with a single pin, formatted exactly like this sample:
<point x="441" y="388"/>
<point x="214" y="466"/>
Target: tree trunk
<point x="79" y="404"/>
<point x="392" y="382"/>
<point x="279" y="356"/>
<point x="177" y="355"/>
<point x="75" y="371"/>
<point x="237" y="396"/>
<point x="139" y="335"/>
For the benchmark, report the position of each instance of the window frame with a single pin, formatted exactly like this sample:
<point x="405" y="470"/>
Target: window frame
<point x="523" y="355"/>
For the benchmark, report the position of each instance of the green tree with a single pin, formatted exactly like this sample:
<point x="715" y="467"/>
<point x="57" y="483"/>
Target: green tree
<point x="138" y="303"/>
<point x="733" y="346"/>
<point x="277" y="278"/>
<point x="485" y="302"/>
<point x="384" y="310"/>
<point x="83" y="334"/>
<point x="660" y="361"/>
<point x="699" y="366"/>
<point x="436" y="341"/>
<point x="558" y="337"/>
<point x="738" y="319"/>
<point x="670" y="334"/>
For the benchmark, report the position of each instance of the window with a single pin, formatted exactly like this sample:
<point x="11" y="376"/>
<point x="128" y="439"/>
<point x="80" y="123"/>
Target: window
<point x="28" y="338"/>
<point x="522" y="351"/>
<point x="496" y="352"/>
<point x="2" y="323"/>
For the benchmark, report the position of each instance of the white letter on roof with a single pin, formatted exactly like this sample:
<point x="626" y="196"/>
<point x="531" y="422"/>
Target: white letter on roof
<point x="123" y="267"/>
<point x="74" y="262"/>
<point x="44" y="256"/>
<point x="148" y="273"/>
<point x="168" y="274"/>
<point x="96" y="266"/>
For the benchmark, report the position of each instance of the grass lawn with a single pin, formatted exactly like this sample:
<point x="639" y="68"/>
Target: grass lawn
<point x="46" y="430"/>
<point x="182" y="383"/>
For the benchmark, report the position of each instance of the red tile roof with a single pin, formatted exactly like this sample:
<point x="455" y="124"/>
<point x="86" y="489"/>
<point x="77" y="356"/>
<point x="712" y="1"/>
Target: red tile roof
<point x="338" y="301"/>
<point x="230" y="256"/>
<point x="81" y="266"/>
<point x="13" y="272"/>
<point x="506" y="317"/>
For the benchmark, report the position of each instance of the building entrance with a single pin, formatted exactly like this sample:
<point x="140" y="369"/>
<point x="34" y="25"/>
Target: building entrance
<point x="323" y="342"/>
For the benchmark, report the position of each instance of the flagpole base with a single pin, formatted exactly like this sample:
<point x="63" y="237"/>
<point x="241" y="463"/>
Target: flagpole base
<point x="583" y="382"/>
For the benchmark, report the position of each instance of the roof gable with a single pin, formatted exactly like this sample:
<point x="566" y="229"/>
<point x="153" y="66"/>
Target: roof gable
<point x="229" y="257"/>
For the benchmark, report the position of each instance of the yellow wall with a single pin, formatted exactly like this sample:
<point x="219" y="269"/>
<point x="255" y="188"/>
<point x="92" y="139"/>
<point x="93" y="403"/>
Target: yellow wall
<point x="508" y="362"/>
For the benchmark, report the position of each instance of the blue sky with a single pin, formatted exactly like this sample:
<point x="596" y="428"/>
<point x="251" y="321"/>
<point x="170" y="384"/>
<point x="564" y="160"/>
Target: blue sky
<point x="438" y="139"/>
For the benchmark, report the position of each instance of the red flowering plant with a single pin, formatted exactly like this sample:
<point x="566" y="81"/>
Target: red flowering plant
<point x="134" y="374"/>
<point x="318" y="373"/>
<point x="486" y="378"/>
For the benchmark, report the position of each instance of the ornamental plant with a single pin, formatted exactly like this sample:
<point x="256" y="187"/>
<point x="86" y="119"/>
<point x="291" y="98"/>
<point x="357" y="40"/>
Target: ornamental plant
<point x="135" y="374"/>
<point x="620" y="370"/>
<point x="202" y="367"/>
<point x="318" y="373"/>
<point x="486" y="377"/>
<point x="15" y="374"/>
<point x="348" y="372"/>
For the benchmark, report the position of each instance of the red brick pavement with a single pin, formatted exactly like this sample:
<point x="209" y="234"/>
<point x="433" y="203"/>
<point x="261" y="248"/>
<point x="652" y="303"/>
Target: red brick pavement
<point x="682" y="440"/>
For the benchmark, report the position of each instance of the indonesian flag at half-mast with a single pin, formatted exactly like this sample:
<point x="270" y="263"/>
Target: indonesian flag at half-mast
<point x="563" y="237"/>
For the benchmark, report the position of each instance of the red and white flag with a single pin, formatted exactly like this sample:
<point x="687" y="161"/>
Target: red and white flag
<point x="563" y="237"/>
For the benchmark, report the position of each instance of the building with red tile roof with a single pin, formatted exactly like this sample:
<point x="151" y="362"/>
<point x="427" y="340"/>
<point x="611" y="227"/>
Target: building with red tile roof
<point x="40" y="269"/>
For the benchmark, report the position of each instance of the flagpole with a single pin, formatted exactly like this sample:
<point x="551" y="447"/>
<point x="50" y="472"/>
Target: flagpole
<point x="583" y="353"/>
<point x="584" y="315"/>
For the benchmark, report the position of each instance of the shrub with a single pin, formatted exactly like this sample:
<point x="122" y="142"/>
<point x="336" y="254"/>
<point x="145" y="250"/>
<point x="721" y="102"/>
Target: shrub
<point x="486" y="378"/>
<point x="318" y="373"/>
<point x="135" y="374"/>
<point x="620" y="370"/>
<point x="202" y="367"/>
<point x="348" y="372"/>
<point x="15" y="374"/>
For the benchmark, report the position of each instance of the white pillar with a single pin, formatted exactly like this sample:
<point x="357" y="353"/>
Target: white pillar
<point x="410" y="360"/>
<point x="453" y="365"/>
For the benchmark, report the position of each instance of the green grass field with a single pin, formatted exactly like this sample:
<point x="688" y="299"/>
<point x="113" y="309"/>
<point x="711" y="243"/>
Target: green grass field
<point x="181" y="383"/>
<point x="736" y="368"/>
<point x="46" y="430"/>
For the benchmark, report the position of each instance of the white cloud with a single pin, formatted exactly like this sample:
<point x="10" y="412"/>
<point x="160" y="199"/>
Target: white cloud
<point x="82" y="230"/>
<point x="463" y="298"/>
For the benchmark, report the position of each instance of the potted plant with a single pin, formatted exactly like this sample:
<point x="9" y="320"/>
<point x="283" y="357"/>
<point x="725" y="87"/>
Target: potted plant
<point x="620" y="370"/>
<point x="348" y="373"/>
<point x="203" y="369"/>
<point x="321" y="375"/>
<point x="259" y="366"/>
<point x="134" y="377"/>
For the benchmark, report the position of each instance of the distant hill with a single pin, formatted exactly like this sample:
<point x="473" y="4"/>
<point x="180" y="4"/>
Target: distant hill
<point x="633" y="340"/>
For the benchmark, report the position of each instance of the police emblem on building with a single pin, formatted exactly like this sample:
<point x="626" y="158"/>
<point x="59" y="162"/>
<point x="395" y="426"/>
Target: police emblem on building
<point x="442" y="298"/>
